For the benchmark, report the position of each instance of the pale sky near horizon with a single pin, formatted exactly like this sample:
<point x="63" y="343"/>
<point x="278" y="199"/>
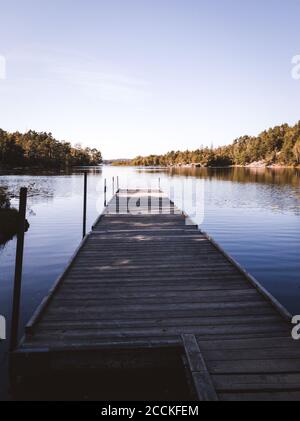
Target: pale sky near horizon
<point x="134" y="77"/>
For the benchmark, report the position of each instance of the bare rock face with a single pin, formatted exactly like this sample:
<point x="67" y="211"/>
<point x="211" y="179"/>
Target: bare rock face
<point x="257" y="164"/>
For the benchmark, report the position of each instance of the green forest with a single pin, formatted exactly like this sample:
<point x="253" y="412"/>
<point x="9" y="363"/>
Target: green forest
<point x="33" y="149"/>
<point x="277" y="146"/>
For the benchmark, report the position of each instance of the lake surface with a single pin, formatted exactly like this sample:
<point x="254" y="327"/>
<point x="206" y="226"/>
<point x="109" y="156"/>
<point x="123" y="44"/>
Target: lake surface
<point x="253" y="213"/>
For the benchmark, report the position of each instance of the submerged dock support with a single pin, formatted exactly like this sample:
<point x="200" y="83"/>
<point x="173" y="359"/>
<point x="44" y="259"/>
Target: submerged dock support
<point x="18" y="270"/>
<point x="105" y="190"/>
<point x="84" y="204"/>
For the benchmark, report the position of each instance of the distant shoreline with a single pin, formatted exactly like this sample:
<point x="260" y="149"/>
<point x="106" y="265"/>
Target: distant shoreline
<point x="156" y="167"/>
<point x="193" y="166"/>
<point x="251" y="165"/>
<point x="54" y="170"/>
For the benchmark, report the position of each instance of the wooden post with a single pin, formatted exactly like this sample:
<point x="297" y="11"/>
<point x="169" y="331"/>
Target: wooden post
<point x="160" y="198"/>
<point x="113" y="185"/>
<point x="117" y="182"/>
<point x="117" y="203"/>
<point x="84" y="205"/>
<point x="172" y="207"/>
<point x="160" y="201"/>
<point x="18" y="271"/>
<point x="127" y="199"/>
<point x="105" y="190"/>
<point x="149" y="201"/>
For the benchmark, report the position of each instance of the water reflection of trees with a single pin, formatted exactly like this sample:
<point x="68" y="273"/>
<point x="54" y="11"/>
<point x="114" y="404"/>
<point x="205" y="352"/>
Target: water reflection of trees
<point x="279" y="189"/>
<point x="280" y="176"/>
<point x="39" y="187"/>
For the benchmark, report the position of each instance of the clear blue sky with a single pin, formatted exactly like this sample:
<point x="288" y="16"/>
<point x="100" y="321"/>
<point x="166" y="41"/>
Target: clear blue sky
<point x="147" y="76"/>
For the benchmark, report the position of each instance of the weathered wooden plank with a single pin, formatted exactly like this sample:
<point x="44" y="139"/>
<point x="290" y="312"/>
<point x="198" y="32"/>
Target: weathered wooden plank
<point x="145" y="331"/>
<point x="256" y="366"/>
<point x="132" y="275"/>
<point x="142" y="256"/>
<point x="253" y="354"/>
<point x="188" y="237"/>
<point x="130" y="266"/>
<point x="87" y="287"/>
<point x="100" y="294"/>
<point x="32" y="343"/>
<point x="176" y="321"/>
<point x="158" y="262"/>
<point x="138" y="236"/>
<point x="261" y="396"/>
<point x="251" y="344"/>
<point x="218" y="307"/>
<point x="60" y="343"/>
<point x="149" y="304"/>
<point x="160" y="313"/>
<point x="117" y="281"/>
<point x="257" y="382"/>
<point x="158" y="295"/>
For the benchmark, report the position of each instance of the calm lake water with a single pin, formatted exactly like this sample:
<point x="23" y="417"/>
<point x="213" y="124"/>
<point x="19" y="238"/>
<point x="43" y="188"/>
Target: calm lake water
<point x="253" y="214"/>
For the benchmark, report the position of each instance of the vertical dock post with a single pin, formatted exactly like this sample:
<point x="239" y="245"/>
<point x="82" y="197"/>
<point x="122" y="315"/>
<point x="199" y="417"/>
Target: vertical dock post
<point x="18" y="271"/>
<point x="113" y="185"/>
<point x="84" y="205"/>
<point x="117" y="182"/>
<point x="149" y="200"/>
<point x="127" y="200"/>
<point x="117" y="203"/>
<point x="172" y="197"/>
<point x="160" y="198"/>
<point x="105" y="190"/>
<point x="160" y="201"/>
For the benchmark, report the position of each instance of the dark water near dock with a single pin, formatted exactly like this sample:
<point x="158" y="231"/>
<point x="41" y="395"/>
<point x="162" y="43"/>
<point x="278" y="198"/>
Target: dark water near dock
<point x="253" y="213"/>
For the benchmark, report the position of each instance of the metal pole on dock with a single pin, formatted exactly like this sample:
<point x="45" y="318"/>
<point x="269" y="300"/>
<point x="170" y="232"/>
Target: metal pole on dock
<point x="172" y="206"/>
<point x="113" y="185"/>
<point x="117" y="203"/>
<point x="159" y="184"/>
<point x="84" y="204"/>
<point x="149" y="200"/>
<point x="117" y="182"/>
<point x="18" y="270"/>
<point x="105" y="190"/>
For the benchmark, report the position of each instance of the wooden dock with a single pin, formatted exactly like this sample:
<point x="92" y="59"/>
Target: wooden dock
<point x="145" y="285"/>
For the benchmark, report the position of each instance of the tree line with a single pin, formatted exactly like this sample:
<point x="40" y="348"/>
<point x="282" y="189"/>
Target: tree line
<point x="41" y="149"/>
<point x="277" y="146"/>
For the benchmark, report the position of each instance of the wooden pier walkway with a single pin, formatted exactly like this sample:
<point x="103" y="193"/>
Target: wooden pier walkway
<point x="146" y="281"/>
